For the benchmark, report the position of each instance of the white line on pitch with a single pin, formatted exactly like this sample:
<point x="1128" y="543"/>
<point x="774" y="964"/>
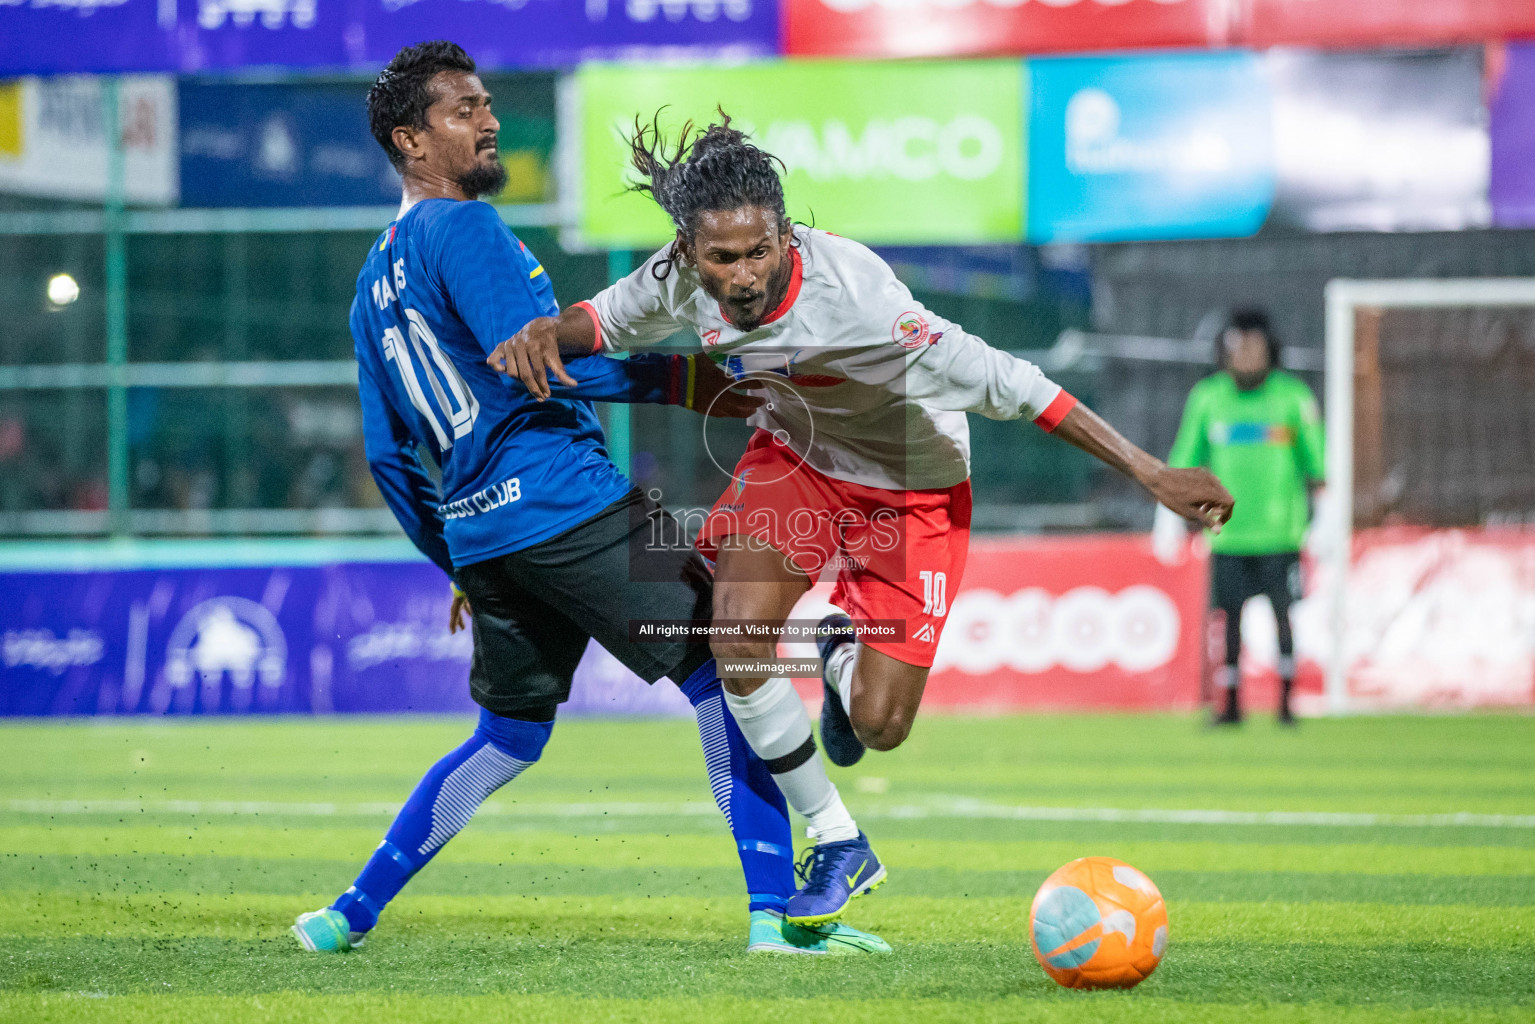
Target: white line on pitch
<point x="952" y="807"/>
<point x="959" y="807"/>
<point x="327" y="810"/>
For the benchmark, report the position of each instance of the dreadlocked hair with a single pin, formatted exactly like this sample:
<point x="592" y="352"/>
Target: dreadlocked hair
<point x="713" y="168"/>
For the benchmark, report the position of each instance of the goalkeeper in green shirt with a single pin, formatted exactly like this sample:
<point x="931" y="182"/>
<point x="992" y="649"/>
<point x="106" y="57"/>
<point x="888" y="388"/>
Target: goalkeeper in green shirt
<point x="1257" y="428"/>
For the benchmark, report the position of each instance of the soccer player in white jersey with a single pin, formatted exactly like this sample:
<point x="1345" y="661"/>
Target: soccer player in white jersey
<point x="860" y="460"/>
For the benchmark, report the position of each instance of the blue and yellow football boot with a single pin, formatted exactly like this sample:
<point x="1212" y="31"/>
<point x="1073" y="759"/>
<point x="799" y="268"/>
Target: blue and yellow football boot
<point x="834" y="874"/>
<point x="770" y="933"/>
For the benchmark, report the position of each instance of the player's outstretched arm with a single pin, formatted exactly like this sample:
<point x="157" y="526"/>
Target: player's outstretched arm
<point x="1194" y="494"/>
<point x="632" y="313"/>
<point x="540" y="349"/>
<point x="709" y="390"/>
<point x="693" y="382"/>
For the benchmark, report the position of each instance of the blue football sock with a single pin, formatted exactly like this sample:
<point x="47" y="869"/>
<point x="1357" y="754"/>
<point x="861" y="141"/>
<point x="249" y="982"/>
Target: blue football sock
<point x="442" y="804"/>
<point x="746" y="793"/>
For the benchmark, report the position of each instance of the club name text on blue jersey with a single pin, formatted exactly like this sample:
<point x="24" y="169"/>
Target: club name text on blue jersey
<point x="442" y="287"/>
<point x="488" y="500"/>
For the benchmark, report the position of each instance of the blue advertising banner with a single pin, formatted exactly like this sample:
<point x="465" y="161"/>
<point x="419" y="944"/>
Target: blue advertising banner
<point x="554" y="33"/>
<point x="220" y="34"/>
<point x="45" y="37"/>
<point x="308" y="144"/>
<point x="357" y="637"/>
<point x="280" y="145"/>
<point x="1149" y="147"/>
<point x="91" y="36"/>
<point x="39" y="37"/>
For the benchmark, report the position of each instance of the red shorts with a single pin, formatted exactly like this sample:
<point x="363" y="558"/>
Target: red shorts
<point x="898" y="555"/>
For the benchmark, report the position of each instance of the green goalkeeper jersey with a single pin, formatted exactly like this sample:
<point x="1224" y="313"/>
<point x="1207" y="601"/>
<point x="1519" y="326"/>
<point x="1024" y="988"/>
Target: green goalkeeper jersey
<point x="1266" y="447"/>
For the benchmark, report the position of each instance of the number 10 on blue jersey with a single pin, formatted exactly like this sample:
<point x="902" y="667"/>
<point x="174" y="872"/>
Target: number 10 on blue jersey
<point x="460" y="408"/>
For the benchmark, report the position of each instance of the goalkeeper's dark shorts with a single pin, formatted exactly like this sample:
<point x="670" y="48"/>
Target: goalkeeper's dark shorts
<point x="534" y="610"/>
<point x="1235" y="578"/>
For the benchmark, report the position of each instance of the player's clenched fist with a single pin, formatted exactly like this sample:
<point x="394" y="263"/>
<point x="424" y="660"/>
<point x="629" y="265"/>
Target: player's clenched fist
<point x="532" y="355"/>
<point x="1194" y="494"/>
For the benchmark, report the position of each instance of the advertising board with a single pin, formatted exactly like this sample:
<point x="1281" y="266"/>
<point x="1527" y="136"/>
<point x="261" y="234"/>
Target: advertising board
<point x="1436" y="618"/>
<point x="919" y="153"/>
<point x="53" y="138"/>
<point x="1384" y="22"/>
<point x="1511" y="106"/>
<point x="63" y="36"/>
<point x="935" y="28"/>
<point x="1168" y="146"/>
<point x="353" y="637"/>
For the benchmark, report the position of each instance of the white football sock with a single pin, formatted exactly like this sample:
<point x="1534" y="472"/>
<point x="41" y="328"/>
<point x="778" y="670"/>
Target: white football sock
<point x="839" y="672"/>
<point x="831" y="822"/>
<point x="772" y="718"/>
<point x="774" y="722"/>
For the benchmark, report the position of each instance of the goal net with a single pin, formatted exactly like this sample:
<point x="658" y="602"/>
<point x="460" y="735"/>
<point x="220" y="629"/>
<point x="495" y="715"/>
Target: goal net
<point x="1426" y="573"/>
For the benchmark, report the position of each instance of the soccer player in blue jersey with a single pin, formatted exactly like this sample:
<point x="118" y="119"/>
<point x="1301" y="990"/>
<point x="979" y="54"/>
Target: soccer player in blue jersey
<point x="545" y="539"/>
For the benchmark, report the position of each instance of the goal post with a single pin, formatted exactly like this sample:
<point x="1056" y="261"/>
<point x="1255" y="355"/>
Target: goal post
<point x="1351" y="352"/>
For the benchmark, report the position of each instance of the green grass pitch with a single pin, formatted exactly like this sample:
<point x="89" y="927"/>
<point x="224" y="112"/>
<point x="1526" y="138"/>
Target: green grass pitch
<point x="148" y="872"/>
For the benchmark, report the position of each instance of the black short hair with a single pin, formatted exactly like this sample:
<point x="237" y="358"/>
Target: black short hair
<point x="401" y="94"/>
<point x="716" y="170"/>
<point x="1248" y="318"/>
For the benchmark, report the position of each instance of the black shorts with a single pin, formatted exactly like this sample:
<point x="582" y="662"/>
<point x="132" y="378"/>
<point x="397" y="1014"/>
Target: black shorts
<point x="1235" y="578"/>
<point x="534" y="609"/>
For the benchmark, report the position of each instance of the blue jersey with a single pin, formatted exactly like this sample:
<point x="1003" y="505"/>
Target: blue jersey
<point x="442" y="287"/>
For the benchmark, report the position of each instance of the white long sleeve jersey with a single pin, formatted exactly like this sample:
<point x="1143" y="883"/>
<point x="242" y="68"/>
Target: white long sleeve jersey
<point x="865" y="384"/>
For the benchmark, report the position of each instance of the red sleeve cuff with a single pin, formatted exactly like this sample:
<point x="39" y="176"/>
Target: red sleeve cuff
<point x="591" y="311"/>
<point x="1055" y="411"/>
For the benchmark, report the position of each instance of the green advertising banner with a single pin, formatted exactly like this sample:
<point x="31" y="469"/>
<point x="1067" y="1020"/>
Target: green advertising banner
<point x="887" y="153"/>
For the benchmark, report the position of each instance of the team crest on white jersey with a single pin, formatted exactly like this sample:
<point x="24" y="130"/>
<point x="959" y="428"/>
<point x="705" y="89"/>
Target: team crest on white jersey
<point x="910" y="330"/>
